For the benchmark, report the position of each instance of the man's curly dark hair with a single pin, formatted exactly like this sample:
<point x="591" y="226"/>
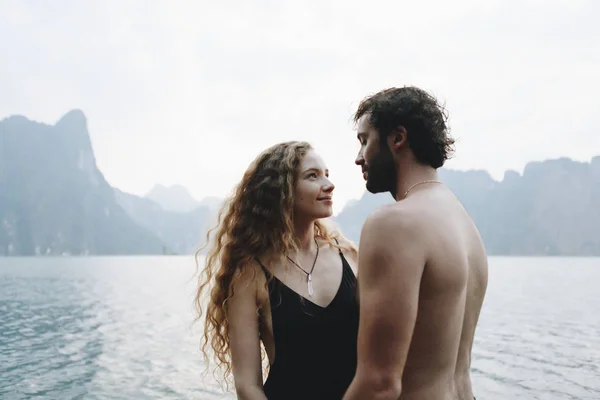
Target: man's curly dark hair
<point x="424" y="119"/>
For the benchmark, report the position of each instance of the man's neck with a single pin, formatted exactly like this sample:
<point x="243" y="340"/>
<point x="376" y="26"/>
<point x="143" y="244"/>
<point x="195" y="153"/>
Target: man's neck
<point x="411" y="174"/>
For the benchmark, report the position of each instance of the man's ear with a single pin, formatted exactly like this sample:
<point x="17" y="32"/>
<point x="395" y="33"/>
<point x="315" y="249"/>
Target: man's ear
<point x="397" y="138"/>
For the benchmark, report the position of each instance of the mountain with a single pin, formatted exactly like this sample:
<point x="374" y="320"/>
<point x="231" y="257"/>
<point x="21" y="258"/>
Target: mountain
<point x="214" y="204"/>
<point x="173" y="198"/>
<point x="350" y="220"/>
<point x="551" y="209"/>
<point x="55" y="201"/>
<point x="182" y="232"/>
<point x="53" y="198"/>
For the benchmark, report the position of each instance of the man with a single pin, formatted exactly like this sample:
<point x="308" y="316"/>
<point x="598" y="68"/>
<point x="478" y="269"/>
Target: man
<point x="423" y="267"/>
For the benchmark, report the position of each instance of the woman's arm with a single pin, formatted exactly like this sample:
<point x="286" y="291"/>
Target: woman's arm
<point x="244" y="336"/>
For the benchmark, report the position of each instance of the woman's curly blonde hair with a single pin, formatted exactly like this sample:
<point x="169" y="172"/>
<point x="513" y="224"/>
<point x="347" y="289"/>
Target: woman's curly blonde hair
<point x="256" y="221"/>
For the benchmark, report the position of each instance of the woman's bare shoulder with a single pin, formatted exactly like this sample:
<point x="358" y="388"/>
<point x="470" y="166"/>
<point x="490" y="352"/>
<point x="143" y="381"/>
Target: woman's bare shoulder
<point x="249" y="278"/>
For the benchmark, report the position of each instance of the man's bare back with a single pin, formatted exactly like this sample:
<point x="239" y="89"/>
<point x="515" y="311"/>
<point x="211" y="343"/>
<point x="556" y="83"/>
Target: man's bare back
<point x="451" y="295"/>
<point x="423" y="277"/>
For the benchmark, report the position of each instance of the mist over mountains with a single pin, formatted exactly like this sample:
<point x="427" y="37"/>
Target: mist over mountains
<point x="55" y="201"/>
<point x="553" y="208"/>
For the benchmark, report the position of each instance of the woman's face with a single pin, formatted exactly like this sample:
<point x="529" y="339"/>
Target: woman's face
<point x="314" y="191"/>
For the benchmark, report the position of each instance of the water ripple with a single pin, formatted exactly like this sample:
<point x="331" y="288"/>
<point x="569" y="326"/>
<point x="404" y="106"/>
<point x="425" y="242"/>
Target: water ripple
<point x="120" y="328"/>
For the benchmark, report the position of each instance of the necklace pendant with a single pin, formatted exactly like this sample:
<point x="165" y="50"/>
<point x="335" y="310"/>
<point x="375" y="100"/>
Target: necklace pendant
<point x="310" y="286"/>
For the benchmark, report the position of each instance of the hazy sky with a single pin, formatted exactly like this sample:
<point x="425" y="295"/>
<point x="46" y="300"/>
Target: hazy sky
<point x="189" y="92"/>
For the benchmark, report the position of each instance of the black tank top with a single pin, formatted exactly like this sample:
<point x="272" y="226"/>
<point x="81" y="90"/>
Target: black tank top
<point x="315" y="347"/>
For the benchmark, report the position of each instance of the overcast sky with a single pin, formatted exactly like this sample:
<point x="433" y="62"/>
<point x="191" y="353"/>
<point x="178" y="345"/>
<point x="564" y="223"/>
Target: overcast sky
<point x="189" y="92"/>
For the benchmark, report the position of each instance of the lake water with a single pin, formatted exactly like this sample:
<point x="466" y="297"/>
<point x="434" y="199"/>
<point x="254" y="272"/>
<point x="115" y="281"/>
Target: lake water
<point x="121" y="328"/>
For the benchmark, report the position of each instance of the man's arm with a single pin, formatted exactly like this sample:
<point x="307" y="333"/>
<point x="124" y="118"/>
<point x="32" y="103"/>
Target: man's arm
<point x="391" y="262"/>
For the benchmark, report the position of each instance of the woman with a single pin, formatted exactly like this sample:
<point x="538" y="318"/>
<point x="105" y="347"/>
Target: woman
<point x="280" y="277"/>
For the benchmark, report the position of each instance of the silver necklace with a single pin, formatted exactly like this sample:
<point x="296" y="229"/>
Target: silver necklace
<point x="308" y="274"/>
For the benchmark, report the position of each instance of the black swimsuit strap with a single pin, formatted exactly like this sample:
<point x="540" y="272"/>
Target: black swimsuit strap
<point x="266" y="271"/>
<point x="338" y="243"/>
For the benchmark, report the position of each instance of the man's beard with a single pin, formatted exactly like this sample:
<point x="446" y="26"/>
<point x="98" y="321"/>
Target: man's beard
<point x="381" y="172"/>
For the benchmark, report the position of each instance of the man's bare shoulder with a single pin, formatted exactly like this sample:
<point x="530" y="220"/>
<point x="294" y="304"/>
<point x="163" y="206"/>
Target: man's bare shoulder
<point x="387" y="230"/>
<point x="391" y="219"/>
